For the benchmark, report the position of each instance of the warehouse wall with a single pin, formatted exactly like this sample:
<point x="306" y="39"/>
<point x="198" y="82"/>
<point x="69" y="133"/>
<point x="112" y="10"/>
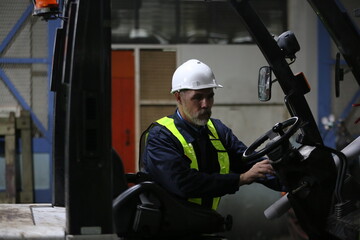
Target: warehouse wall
<point x="303" y="22"/>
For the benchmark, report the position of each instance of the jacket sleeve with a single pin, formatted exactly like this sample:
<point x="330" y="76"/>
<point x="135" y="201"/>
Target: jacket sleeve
<point x="165" y="161"/>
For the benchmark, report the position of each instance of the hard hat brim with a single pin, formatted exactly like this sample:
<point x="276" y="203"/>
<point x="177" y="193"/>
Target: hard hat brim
<point x="197" y="88"/>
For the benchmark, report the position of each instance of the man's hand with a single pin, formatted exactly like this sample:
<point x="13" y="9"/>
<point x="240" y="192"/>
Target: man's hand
<point x="258" y="171"/>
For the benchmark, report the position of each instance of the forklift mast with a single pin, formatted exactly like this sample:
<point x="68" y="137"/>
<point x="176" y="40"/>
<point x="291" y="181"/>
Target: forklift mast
<point x="81" y="81"/>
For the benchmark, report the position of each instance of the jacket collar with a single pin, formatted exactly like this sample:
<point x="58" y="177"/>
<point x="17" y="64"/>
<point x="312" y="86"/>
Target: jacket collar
<point x="189" y="131"/>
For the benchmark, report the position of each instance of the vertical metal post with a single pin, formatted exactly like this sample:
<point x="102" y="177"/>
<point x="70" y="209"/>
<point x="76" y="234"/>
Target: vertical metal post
<point x="27" y="180"/>
<point x="88" y="179"/>
<point x="10" y="160"/>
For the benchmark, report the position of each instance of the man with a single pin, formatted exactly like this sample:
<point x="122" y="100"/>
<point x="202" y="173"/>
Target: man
<point x="196" y="157"/>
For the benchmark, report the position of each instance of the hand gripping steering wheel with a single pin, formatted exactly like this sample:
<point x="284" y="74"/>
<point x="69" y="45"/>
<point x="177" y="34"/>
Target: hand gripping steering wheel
<point x="276" y="132"/>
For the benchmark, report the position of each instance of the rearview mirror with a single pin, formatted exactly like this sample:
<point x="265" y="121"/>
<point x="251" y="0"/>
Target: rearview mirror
<point x="264" y="84"/>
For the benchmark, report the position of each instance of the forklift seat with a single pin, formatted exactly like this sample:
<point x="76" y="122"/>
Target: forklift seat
<point x="146" y="211"/>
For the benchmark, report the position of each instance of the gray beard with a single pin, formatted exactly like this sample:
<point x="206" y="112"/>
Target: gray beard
<point x="197" y="121"/>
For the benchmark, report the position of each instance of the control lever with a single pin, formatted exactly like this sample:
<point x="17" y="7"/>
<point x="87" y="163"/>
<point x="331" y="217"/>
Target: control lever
<point x="278" y="208"/>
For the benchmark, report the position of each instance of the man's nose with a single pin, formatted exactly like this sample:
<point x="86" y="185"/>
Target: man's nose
<point x="205" y="103"/>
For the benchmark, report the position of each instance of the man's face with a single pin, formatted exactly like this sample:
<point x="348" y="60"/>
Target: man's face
<point x="195" y="105"/>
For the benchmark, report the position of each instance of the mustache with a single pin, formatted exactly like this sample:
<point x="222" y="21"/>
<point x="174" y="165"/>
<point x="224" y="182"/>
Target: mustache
<point x="205" y="112"/>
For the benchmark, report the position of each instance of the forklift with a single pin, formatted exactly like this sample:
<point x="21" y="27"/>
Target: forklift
<point x="102" y="205"/>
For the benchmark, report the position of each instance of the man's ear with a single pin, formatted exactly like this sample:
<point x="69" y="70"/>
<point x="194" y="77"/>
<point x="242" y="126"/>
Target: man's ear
<point x="177" y="97"/>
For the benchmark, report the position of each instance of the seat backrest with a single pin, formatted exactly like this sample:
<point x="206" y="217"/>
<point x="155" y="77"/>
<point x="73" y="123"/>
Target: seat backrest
<point x="120" y="183"/>
<point x="142" y="145"/>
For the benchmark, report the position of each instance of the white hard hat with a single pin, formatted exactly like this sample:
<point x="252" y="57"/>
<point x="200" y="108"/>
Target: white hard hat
<point x="193" y="74"/>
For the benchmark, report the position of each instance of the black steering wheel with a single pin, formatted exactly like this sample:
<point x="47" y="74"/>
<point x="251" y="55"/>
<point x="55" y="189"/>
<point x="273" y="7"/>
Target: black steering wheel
<point x="276" y="134"/>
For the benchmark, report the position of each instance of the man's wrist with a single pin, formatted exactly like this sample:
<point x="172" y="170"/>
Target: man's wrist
<point x="242" y="179"/>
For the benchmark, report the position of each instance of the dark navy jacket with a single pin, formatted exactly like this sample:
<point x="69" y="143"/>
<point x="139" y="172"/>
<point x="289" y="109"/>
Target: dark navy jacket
<point x="166" y="163"/>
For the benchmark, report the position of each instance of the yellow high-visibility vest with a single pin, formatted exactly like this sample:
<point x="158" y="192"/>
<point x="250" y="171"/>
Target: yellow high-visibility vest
<point x="223" y="157"/>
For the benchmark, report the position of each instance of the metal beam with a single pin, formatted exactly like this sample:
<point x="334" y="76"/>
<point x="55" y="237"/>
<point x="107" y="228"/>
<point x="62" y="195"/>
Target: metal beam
<point x="15" y="29"/>
<point x="24" y="60"/>
<point x="23" y="103"/>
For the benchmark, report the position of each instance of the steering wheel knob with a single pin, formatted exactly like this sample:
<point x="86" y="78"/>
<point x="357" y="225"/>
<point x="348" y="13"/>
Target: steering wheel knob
<point x="278" y="128"/>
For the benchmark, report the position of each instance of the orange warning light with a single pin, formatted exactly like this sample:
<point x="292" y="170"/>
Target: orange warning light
<point x="46" y="3"/>
<point x="48" y="9"/>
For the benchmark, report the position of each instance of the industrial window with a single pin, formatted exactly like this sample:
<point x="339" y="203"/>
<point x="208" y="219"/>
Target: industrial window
<point x="189" y="21"/>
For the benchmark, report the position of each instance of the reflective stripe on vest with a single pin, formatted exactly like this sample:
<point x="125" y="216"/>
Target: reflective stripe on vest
<point x="223" y="157"/>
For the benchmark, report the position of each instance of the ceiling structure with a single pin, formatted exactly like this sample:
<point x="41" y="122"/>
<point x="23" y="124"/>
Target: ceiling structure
<point x="189" y="21"/>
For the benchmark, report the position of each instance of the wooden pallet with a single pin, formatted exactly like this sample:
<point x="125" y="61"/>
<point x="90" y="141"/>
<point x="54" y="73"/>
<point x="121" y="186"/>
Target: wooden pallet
<point x="19" y="181"/>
